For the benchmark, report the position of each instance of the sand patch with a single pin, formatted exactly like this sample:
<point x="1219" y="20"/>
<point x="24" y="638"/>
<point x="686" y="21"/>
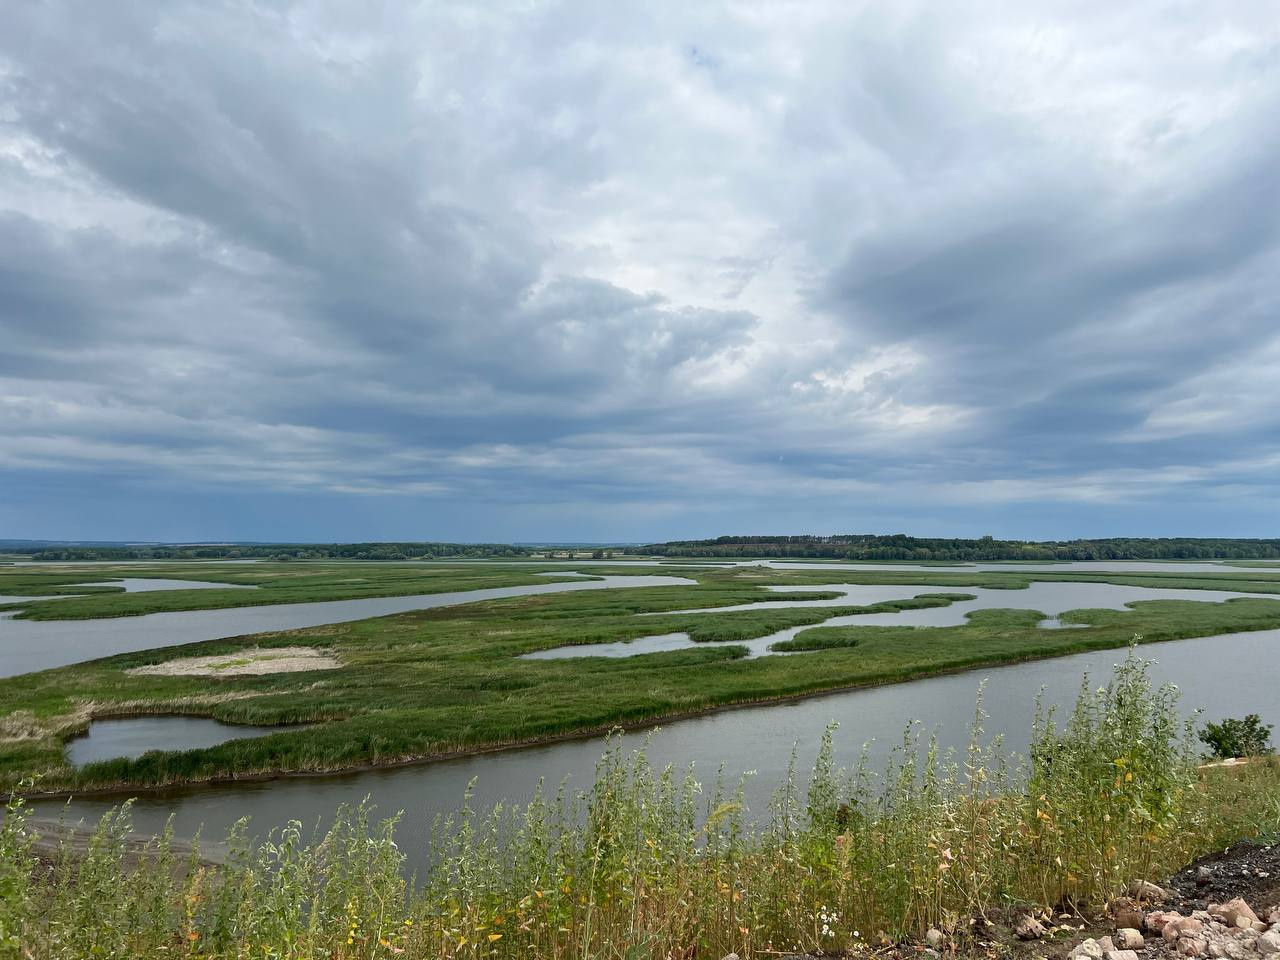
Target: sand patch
<point x="243" y="663"/>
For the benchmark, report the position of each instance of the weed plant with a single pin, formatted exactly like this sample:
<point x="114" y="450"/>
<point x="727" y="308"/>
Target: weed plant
<point x="649" y="864"/>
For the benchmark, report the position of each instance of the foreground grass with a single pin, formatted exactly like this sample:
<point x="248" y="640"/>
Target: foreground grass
<point x="649" y="865"/>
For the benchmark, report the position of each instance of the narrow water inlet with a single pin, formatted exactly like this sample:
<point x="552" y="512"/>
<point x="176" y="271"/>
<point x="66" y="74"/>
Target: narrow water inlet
<point x="131" y="737"/>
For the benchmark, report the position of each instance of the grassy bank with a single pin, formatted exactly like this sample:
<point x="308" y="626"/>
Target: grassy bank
<point x="648" y="864"/>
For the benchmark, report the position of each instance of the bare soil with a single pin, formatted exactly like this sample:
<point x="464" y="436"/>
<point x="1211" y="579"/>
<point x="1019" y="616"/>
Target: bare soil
<point x="243" y="663"/>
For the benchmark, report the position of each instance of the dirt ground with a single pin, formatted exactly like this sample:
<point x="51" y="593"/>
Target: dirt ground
<point x="243" y="663"/>
<point x="1248" y="870"/>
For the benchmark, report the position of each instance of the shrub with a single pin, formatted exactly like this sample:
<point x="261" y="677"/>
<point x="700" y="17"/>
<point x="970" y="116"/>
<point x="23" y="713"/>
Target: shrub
<point x="1232" y="737"/>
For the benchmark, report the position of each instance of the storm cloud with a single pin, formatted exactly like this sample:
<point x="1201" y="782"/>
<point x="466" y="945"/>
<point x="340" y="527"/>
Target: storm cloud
<point x="572" y="270"/>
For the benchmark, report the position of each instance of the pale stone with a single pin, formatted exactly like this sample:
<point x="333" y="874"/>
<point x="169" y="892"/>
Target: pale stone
<point x="1268" y="944"/>
<point x="934" y="937"/>
<point x="1127" y="938"/>
<point x="1192" y="946"/>
<point x="1230" y="912"/>
<point x="1121" y="955"/>
<point x="1145" y="890"/>
<point x="1029" y="928"/>
<point x="1157" y="920"/>
<point x="1086" y="950"/>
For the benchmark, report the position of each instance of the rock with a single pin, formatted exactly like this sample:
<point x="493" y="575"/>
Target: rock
<point x="1086" y="950"/>
<point x="934" y="938"/>
<point x="1244" y="923"/>
<point x="1268" y="944"/>
<point x="1203" y="876"/>
<point x="1193" y="946"/>
<point x="1259" y="926"/>
<point x="1120" y="955"/>
<point x="1274" y="915"/>
<point x="1217" y="950"/>
<point x="1145" y="890"/>
<point x="1182" y="927"/>
<point x="729" y="956"/>
<point x="1106" y="945"/>
<point x="1231" y="910"/>
<point x="1029" y="928"/>
<point x="1156" y="920"/>
<point x="1126" y="913"/>
<point x="1128" y="938"/>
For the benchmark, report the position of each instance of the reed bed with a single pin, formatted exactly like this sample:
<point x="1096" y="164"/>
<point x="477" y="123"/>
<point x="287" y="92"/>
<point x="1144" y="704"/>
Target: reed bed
<point x="651" y="864"/>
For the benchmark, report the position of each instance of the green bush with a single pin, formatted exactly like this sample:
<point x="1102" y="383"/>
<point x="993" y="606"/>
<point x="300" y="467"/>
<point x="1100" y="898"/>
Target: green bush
<point x="1232" y="737"/>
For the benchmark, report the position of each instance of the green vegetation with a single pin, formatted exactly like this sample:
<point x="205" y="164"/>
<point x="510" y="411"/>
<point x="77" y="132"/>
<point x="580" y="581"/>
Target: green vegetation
<point x="47" y="552"/>
<point x="894" y="547"/>
<point x="276" y="583"/>
<point x="309" y="582"/>
<point x="648" y="865"/>
<point x="902" y="547"/>
<point x="448" y="680"/>
<point x="1232" y="737"/>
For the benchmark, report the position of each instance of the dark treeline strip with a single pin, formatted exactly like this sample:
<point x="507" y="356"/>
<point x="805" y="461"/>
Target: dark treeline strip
<point x="277" y="551"/>
<point x="902" y="547"/>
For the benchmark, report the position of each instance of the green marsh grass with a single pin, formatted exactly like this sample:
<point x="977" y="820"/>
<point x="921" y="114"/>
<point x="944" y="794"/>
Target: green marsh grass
<point x="450" y="680"/>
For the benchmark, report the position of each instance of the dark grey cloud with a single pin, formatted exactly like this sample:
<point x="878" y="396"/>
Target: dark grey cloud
<point x="559" y="264"/>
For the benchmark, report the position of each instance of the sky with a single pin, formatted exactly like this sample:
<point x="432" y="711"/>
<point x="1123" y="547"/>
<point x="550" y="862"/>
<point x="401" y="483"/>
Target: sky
<point x="629" y="272"/>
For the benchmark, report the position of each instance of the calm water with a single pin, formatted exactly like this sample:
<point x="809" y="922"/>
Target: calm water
<point x="149" y="584"/>
<point x="137" y="585"/>
<point x="27" y="645"/>
<point x="1049" y="597"/>
<point x="134" y="736"/>
<point x="757" y="739"/>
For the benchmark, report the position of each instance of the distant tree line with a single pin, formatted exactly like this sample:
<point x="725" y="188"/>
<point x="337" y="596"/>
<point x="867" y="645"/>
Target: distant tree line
<point x="839" y="547"/>
<point x="279" y="551"/>
<point x="902" y="547"/>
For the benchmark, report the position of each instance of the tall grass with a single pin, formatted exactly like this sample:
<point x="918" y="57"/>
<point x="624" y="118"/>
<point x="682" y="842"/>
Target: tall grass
<point x="649" y="864"/>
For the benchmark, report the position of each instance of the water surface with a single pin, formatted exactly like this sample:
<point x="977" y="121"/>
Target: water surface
<point x="134" y="736"/>
<point x="758" y="739"/>
<point x="149" y="584"/>
<point x="28" y="645"/>
<point x="1050" y="597"/>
